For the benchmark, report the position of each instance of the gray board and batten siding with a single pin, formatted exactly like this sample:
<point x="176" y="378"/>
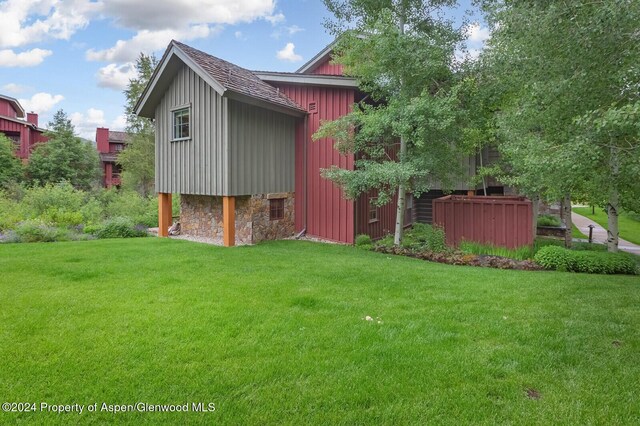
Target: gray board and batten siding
<point x="234" y="148"/>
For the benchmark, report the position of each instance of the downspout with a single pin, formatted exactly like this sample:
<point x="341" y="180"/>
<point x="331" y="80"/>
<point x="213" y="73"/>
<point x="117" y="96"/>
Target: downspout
<point x="304" y="177"/>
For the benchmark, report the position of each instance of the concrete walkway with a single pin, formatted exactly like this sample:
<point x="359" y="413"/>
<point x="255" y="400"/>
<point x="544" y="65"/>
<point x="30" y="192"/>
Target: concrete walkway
<point x="600" y="234"/>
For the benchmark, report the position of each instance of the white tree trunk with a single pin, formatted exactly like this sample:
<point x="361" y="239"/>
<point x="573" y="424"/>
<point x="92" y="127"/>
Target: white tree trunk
<point x="613" y="204"/>
<point x="568" y="223"/>
<point x="612" y="222"/>
<point x="402" y="192"/>
<point x="535" y="200"/>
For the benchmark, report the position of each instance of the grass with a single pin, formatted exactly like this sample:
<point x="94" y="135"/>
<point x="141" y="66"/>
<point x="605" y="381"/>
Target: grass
<point x="520" y="253"/>
<point x="629" y="227"/>
<point x="275" y="334"/>
<point x="576" y="233"/>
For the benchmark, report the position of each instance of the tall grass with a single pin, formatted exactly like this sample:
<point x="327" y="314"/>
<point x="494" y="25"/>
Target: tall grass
<point x="520" y="253"/>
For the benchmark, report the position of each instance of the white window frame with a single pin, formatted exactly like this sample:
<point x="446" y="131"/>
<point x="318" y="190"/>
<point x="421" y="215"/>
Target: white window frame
<point x="174" y="112"/>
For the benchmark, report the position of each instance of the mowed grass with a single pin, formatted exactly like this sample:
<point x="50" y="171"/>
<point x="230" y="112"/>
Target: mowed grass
<point x="275" y="334"/>
<point x="629" y="227"/>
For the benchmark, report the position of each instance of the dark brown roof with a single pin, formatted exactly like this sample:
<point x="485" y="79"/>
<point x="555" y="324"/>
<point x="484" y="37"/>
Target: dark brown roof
<point x="237" y="79"/>
<point x="115" y="136"/>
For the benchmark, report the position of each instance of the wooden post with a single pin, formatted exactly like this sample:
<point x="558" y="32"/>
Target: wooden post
<point x="471" y="193"/>
<point x="229" y="221"/>
<point x="164" y="214"/>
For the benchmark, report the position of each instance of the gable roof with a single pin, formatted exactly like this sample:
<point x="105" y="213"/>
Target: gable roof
<point x="117" y="136"/>
<point x="224" y="77"/>
<point x="320" y="57"/>
<point x="15" y="105"/>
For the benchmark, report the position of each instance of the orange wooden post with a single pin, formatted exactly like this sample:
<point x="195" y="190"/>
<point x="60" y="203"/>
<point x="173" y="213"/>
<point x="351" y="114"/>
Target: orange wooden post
<point x="229" y="221"/>
<point x="164" y="214"/>
<point x="471" y="193"/>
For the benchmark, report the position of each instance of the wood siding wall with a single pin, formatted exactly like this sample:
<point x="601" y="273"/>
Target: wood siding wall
<point x="328" y="214"/>
<point x="327" y="68"/>
<point x="199" y="165"/>
<point x="261" y="150"/>
<point x="234" y="149"/>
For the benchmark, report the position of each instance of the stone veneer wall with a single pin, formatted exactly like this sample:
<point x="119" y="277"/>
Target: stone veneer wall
<point x="201" y="216"/>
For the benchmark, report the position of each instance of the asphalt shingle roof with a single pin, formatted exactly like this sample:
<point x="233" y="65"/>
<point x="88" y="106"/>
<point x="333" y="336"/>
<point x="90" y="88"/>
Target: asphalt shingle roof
<point x="237" y="79"/>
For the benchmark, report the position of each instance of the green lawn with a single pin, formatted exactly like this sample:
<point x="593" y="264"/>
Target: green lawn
<point x="275" y="334"/>
<point x="629" y="227"/>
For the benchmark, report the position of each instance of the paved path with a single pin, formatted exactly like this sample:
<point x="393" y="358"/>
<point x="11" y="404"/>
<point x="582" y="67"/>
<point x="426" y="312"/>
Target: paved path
<point x="600" y="234"/>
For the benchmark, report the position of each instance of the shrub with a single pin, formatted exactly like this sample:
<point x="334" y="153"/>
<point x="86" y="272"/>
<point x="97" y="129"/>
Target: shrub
<point x="140" y="210"/>
<point x="364" y="242"/>
<point x="592" y="262"/>
<point x="521" y="253"/>
<point x="10" y="212"/>
<point x="36" y="231"/>
<point x="425" y="237"/>
<point x="548" y="220"/>
<point x="120" y="227"/>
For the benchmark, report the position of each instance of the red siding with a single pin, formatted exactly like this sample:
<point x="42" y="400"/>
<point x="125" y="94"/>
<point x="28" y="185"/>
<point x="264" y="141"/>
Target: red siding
<point x="6" y="109"/>
<point x="328" y="214"/>
<point x="386" y="223"/>
<point x="327" y="68"/>
<point x="501" y="221"/>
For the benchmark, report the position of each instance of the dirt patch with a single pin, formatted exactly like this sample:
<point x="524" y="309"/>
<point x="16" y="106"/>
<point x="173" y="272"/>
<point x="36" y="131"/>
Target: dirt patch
<point x="533" y="394"/>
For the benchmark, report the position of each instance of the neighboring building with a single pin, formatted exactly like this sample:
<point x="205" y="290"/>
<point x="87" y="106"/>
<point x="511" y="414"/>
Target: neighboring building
<point x="109" y="144"/>
<point x="22" y="128"/>
<point x="236" y="145"/>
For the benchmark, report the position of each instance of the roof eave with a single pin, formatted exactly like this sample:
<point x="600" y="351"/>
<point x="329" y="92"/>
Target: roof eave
<point x="250" y="100"/>
<point x="308" y="79"/>
<point x="318" y="58"/>
<point x="142" y="108"/>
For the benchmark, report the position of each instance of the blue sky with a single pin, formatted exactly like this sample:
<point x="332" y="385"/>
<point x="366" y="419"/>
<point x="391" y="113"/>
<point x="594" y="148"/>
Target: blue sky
<point x="78" y="54"/>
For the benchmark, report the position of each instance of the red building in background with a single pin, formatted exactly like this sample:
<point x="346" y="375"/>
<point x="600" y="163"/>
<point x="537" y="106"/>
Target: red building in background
<point x="109" y="144"/>
<point x="22" y="128"/>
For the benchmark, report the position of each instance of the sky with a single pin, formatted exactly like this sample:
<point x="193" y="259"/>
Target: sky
<point x="78" y="55"/>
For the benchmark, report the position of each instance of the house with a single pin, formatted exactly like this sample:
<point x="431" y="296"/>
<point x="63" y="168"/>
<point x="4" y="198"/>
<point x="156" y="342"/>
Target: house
<point x="236" y="145"/>
<point x="22" y="128"/>
<point x="109" y="144"/>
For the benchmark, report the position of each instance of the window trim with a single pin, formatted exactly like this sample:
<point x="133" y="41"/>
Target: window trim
<point x="280" y="216"/>
<point x="173" y="111"/>
<point x="372" y="205"/>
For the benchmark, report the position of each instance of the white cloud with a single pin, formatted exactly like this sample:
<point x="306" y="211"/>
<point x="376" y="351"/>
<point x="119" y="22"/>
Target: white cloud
<point x="30" y="21"/>
<point x="239" y="35"/>
<point x="41" y="102"/>
<point x="14" y="89"/>
<point x="275" y="19"/>
<point x="148" y="41"/>
<point x="288" y="54"/>
<point x="87" y="122"/>
<point x="178" y="14"/>
<point x="28" y="58"/>
<point x="119" y="123"/>
<point x="478" y="33"/>
<point x="116" y="76"/>
<point x="294" y="29"/>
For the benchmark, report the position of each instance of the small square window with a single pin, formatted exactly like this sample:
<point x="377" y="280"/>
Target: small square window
<point x="373" y="209"/>
<point x="276" y="209"/>
<point x="181" y="124"/>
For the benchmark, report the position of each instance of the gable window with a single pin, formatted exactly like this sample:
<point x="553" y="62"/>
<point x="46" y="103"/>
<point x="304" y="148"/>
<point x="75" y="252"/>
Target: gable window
<point x="373" y="209"/>
<point x="181" y="123"/>
<point x="276" y="209"/>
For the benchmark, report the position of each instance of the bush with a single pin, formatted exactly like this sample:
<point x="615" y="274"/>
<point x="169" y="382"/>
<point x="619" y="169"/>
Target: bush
<point x="36" y="231"/>
<point x="141" y="210"/>
<point x="120" y="227"/>
<point x="10" y="212"/>
<point x="548" y="220"/>
<point x="592" y="262"/>
<point x="425" y="237"/>
<point x="364" y="242"/>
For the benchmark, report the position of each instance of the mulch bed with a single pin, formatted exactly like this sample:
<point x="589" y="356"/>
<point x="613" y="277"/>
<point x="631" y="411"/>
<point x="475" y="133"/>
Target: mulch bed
<point x="457" y="258"/>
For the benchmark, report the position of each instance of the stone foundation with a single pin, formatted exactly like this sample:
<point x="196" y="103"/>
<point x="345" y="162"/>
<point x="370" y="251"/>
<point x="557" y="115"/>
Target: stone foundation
<point x="201" y="216"/>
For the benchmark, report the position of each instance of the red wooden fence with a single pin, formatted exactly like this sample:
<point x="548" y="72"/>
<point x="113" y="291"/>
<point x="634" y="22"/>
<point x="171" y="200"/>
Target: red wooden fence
<point x="501" y="221"/>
